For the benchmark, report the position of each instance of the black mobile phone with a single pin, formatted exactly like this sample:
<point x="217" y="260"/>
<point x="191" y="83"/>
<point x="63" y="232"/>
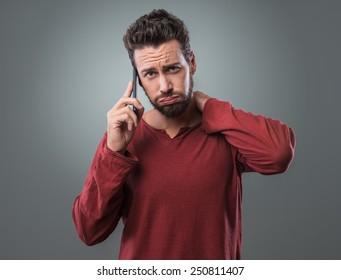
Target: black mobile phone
<point x="134" y="87"/>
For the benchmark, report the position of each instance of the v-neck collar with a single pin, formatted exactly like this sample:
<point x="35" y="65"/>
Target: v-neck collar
<point x="181" y="133"/>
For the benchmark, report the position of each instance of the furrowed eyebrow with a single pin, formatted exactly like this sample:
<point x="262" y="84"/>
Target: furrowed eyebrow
<point x="163" y="67"/>
<point x="148" y="70"/>
<point x="177" y="64"/>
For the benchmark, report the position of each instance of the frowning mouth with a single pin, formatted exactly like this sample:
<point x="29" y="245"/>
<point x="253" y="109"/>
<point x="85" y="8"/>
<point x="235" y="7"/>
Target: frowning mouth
<point x="169" y="100"/>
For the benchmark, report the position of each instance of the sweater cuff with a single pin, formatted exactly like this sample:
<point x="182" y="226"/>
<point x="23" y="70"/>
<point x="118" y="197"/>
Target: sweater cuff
<point x="125" y="160"/>
<point x="114" y="160"/>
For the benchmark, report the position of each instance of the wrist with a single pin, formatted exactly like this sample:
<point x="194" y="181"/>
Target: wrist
<point x="115" y="150"/>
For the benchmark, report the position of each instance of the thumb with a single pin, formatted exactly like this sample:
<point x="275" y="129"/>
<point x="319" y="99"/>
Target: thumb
<point x="139" y="113"/>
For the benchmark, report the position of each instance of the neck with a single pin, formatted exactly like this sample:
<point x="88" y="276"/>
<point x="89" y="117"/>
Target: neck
<point x="172" y="125"/>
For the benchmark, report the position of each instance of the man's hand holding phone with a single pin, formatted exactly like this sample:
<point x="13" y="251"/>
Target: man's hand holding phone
<point x="122" y="121"/>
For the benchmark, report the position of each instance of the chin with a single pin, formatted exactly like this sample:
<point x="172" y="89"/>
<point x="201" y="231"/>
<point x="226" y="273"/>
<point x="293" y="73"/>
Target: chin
<point x="175" y="110"/>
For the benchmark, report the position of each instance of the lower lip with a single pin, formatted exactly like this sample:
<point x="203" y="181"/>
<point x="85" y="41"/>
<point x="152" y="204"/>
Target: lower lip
<point x="169" y="100"/>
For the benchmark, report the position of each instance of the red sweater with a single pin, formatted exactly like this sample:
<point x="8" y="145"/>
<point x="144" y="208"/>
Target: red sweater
<point x="181" y="198"/>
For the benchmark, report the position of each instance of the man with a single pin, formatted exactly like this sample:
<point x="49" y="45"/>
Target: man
<point x="173" y="174"/>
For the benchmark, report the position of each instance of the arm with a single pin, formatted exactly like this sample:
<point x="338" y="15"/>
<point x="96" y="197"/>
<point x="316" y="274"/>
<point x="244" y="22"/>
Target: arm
<point x="97" y="209"/>
<point x="264" y="145"/>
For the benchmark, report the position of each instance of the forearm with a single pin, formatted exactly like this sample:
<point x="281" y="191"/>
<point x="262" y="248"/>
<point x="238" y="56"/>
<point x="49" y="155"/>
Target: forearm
<point x="264" y="145"/>
<point x="96" y="210"/>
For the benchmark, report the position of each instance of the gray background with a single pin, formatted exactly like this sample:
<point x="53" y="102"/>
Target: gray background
<point x="63" y="66"/>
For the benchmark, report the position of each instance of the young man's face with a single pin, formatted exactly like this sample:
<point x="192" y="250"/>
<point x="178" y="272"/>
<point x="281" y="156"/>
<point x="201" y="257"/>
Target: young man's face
<point x="166" y="77"/>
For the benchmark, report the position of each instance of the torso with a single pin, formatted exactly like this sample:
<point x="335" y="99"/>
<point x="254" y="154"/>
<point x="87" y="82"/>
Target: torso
<point x="180" y="195"/>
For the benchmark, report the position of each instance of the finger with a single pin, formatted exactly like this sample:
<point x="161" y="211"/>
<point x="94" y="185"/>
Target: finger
<point x="122" y="120"/>
<point x="130" y="101"/>
<point x="128" y="113"/>
<point x="129" y="89"/>
<point x="125" y="101"/>
<point x="139" y="113"/>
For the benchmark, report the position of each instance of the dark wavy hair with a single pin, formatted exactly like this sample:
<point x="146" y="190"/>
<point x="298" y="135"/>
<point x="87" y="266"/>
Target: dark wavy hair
<point x="154" y="29"/>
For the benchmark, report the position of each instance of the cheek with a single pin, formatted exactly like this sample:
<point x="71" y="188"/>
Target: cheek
<point x="150" y="87"/>
<point x="180" y="81"/>
<point x="185" y="81"/>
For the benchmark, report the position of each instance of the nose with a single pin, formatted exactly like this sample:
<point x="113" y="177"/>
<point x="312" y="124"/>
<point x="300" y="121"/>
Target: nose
<point x="165" y="84"/>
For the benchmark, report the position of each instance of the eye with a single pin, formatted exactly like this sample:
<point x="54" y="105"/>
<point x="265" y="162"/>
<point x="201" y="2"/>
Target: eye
<point x="150" y="74"/>
<point x="173" y="69"/>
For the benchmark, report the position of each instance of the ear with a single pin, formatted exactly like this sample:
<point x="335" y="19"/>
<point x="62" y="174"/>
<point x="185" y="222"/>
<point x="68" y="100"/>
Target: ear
<point x="192" y="63"/>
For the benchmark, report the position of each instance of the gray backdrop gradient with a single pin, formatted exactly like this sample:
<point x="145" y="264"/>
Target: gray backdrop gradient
<point x="63" y="66"/>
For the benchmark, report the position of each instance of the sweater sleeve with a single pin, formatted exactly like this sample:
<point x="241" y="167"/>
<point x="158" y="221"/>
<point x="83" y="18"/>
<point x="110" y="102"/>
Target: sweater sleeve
<point x="263" y="145"/>
<point x="97" y="209"/>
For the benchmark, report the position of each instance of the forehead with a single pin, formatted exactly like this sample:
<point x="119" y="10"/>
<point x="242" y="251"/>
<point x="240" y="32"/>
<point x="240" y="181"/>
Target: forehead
<point x="167" y="53"/>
